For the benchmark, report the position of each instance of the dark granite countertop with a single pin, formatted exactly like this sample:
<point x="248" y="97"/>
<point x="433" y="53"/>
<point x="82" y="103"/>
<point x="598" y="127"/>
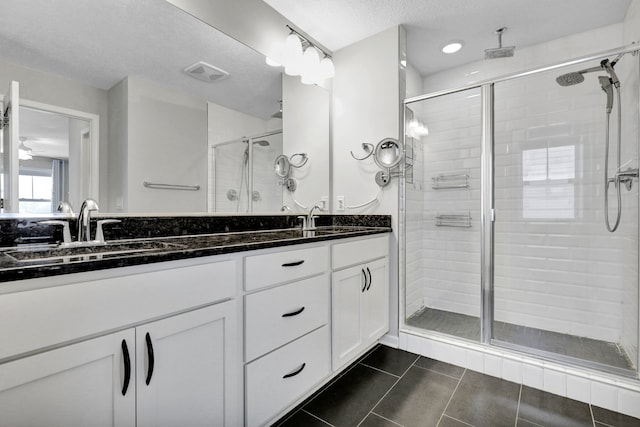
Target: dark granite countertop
<point x="27" y="262"/>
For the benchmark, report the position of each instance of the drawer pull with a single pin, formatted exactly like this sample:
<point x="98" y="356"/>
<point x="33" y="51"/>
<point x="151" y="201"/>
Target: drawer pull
<point x="151" y="358"/>
<point x="294" y="373"/>
<point x="293" y="264"/>
<point x="369" y="285"/>
<point x="293" y="313"/>
<point x="127" y="367"/>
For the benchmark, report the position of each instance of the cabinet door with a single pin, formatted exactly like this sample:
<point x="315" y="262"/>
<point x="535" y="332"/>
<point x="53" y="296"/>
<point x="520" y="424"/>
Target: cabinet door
<point x="77" y="385"/>
<point x="376" y="305"/>
<point x="346" y="328"/>
<point x="186" y="366"/>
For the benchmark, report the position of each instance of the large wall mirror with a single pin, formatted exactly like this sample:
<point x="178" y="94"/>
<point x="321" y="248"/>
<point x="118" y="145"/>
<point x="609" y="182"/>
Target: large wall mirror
<point x="149" y="110"/>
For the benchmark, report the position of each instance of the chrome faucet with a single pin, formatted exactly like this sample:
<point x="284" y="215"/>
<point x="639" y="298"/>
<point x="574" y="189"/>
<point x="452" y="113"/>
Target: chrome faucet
<point x="311" y="218"/>
<point x="84" y="219"/>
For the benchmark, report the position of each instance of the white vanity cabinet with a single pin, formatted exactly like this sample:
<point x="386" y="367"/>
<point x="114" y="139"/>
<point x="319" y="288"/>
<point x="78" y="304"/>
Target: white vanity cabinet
<point x="359" y="297"/>
<point x="77" y="385"/>
<point x="287" y="334"/>
<point x="182" y="369"/>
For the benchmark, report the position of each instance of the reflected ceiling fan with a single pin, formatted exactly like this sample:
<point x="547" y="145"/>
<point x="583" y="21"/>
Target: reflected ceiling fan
<point x="24" y="151"/>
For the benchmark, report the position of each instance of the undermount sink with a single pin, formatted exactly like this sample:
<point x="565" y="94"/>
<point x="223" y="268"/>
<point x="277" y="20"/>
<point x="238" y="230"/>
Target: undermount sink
<point x="87" y="252"/>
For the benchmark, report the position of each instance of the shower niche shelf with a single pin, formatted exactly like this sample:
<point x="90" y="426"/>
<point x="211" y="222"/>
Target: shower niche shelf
<point x="453" y="220"/>
<point x="450" y="181"/>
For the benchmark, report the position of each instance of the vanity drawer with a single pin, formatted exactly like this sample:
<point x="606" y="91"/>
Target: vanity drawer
<point x="279" y="267"/>
<point x="359" y="251"/>
<point x="279" y="315"/>
<point x="279" y="378"/>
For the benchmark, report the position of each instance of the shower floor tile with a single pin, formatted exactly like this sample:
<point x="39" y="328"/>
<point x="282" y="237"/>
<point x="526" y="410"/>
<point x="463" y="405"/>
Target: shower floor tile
<point x="430" y="393"/>
<point x="468" y="327"/>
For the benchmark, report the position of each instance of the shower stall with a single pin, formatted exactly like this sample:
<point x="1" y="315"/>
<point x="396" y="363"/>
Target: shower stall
<point x="243" y="174"/>
<point x="520" y="215"/>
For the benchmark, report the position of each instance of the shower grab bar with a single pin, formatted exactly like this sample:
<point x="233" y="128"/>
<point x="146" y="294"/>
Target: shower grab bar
<point x="170" y="186"/>
<point x="453" y="220"/>
<point x="442" y="182"/>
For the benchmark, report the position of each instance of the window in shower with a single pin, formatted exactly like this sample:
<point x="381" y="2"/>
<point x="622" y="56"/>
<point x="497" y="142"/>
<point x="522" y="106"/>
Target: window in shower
<point x="548" y="176"/>
<point x="443" y="217"/>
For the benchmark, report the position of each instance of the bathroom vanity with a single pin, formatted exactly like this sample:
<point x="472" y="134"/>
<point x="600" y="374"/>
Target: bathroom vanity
<point x="217" y="329"/>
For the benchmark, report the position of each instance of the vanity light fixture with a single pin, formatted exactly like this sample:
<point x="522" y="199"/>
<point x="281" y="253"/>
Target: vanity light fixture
<point x="313" y="66"/>
<point x="452" y="46"/>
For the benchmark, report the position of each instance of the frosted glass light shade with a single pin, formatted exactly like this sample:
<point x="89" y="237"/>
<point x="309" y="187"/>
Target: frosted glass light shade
<point x="293" y="55"/>
<point x="310" y="66"/>
<point x="327" y="69"/>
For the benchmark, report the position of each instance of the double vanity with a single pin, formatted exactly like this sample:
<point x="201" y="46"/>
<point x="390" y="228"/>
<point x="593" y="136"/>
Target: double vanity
<point x="221" y="321"/>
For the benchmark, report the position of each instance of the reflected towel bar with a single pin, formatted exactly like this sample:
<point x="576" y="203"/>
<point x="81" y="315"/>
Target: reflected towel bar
<point x="170" y="186"/>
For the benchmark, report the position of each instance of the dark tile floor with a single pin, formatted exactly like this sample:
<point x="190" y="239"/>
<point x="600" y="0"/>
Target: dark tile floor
<point x="391" y="388"/>
<point x="468" y="327"/>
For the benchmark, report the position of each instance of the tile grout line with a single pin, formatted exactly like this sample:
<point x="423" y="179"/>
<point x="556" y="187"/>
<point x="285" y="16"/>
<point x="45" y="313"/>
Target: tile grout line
<point x="390" y="388"/>
<point x="384" y="418"/>
<point x="317" y="417"/>
<point x="518" y="407"/>
<point x="460" y="421"/>
<point x="593" y="418"/>
<point x="380" y="370"/>
<point x="451" y="397"/>
<point x="436" y="372"/>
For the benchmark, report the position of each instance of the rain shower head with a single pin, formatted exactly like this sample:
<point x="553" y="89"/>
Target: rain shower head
<point x="499" y="52"/>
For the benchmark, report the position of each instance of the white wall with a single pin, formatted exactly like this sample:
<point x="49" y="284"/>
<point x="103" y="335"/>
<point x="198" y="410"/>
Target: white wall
<point x="367" y="90"/>
<point x="306" y="130"/>
<point x="166" y="142"/>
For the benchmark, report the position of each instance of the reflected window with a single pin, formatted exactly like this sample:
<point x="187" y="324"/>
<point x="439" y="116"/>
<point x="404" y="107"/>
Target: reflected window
<point x="35" y="193"/>
<point x="548" y="183"/>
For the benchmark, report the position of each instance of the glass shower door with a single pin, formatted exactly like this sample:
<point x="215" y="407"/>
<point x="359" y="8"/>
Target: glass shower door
<point x="442" y="259"/>
<point x="564" y="286"/>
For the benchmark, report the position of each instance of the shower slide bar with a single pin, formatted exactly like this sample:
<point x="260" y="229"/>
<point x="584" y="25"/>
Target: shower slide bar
<point x="159" y="186"/>
<point x="442" y="182"/>
<point x="453" y="220"/>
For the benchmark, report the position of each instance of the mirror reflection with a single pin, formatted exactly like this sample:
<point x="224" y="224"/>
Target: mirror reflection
<point x="173" y="107"/>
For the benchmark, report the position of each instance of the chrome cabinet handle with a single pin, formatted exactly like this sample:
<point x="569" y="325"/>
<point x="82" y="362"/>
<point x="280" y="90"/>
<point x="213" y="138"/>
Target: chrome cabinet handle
<point x="151" y="357"/>
<point x="293" y="264"/>
<point x="294" y="313"/>
<point x="294" y="373"/>
<point x="127" y="367"/>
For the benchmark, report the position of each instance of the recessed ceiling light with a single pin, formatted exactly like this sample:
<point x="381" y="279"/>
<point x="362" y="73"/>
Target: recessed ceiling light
<point x="452" y="47"/>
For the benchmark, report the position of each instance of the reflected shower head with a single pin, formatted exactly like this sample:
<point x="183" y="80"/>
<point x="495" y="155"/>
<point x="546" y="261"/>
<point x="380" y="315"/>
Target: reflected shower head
<point x="262" y="143"/>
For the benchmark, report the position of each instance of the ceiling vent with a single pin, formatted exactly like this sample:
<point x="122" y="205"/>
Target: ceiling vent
<point x="205" y="72"/>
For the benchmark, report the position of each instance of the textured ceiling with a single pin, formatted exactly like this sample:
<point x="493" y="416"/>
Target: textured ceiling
<point x="431" y="23"/>
<point x="99" y="42"/>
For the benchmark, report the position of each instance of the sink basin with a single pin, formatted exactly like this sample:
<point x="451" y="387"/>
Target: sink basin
<point x="88" y="252"/>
